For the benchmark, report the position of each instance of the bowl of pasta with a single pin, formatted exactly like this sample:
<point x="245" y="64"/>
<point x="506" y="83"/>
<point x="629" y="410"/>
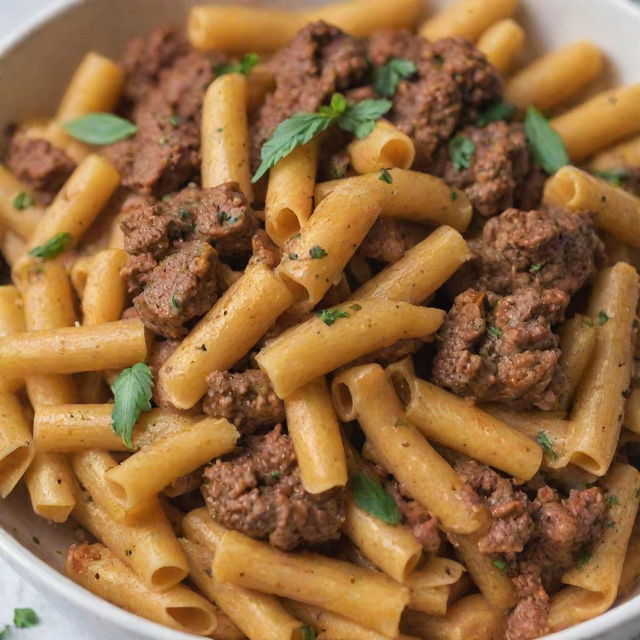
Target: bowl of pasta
<point x="318" y="320"/>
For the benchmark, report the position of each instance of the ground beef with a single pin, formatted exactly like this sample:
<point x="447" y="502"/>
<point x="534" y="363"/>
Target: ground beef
<point x="501" y="173"/>
<point x="501" y="348"/>
<point x="528" y="620"/>
<point x="265" y="250"/>
<point x="319" y="61"/>
<point x="385" y="44"/>
<point x="182" y="287"/>
<point x="422" y="524"/>
<point x="259" y="493"/>
<point x="549" y="248"/>
<point x="39" y="164"/>
<point x="247" y="399"/>
<point x="388" y="239"/>
<point x="159" y="353"/>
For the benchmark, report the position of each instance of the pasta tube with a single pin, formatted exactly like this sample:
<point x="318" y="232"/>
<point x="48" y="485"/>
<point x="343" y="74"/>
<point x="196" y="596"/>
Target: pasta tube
<point x="385" y="147"/>
<point x="51" y="486"/>
<point x="365" y="394"/>
<point x="315" y="434"/>
<point x="16" y="447"/>
<point x="317" y="347"/>
<point x="501" y="43"/>
<point x="467" y="18"/>
<point x="616" y="211"/>
<point x="449" y="420"/>
<point x="337" y="227"/>
<point x="290" y="192"/>
<point x="225" y="134"/>
<point x="410" y="195"/>
<point x="97" y="569"/>
<point x="235" y="323"/>
<point x="599" y="403"/>
<point x="11" y="321"/>
<point x="104" y="293"/>
<point x="359" y="594"/>
<point x="556" y="77"/>
<point x="431" y="585"/>
<point x="622" y="155"/>
<point x="613" y="110"/>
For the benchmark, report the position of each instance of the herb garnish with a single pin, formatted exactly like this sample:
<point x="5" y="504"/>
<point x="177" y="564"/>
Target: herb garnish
<point x="612" y="500"/>
<point x="545" y="143"/>
<point x="587" y="323"/>
<point x="583" y="559"/>
<point x="53" y="247"/>
<point x="500" y="564"/>
<point x="369" y="495"/>
<point x="24" y="618"/>
<point x="329" y="316"/>
<point x="355" y="306"/>
<point x="461" y="152"/>
<point x="359" y="119"/>
<point x="616" y="176"/>
<point x="307" y="633"/>
<point x="100" y="128"/>
<point x="317" y="252"/>
<point x="249" y="60"/>
<point x="385" y="176"/>
<point x="388" y="76"/>
<point x="494" y="332"/>
<point x="22" y="201"/>
<point x="535" y="267"/>
<point x="603" y="318"/>
<point x="495" y="113"/>
<point x="132" y="391"/>
<point x="175" y="303"/>
<point x="293" y="256"/>
<point x="174" y="120"/>
<point x="544" y="441"/>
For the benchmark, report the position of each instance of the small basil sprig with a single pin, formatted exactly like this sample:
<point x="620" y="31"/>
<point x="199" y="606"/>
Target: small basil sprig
<point x="388" y="76"/>
<point x="545" y="143"/>
<point x="369" y="495"/>
<point x="249" y="60"/>
<point x="100" y="128"/>
<point x="51" y="249"/>
<point x="359" y="119"/>
<point x="132" y="391"/>
<point x="461" y="152"/>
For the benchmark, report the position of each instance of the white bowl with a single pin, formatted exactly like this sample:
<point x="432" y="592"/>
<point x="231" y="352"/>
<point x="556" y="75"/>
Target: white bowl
<point x="36" y="60"/>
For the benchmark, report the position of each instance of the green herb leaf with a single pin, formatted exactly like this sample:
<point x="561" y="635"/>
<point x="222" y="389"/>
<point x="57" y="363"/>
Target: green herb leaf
<point x="369" y="494"/>
<point x="546" y="144"/>
<point x="583" y="559"/>
<point x="609" y="524"/>
<point x="494" y="332"/>
<point x="174" y="120"/>
<point x="454" y="196"/>
<point x="612" y="500"/>
<point x="544" y="441"/>
<point x="22" y="201"/>
<point x="500" y="564"/>
<point x="329" y="316"/>
<point x="132" y="391"/>
<point x="275" y="474"/>
<point x="24" y="618"/>
<point x="249" y="60"/>
<point x="616" y="177"/>
<point x="495" y="113"/>
<point x="307" y="633"/>
<point x="317" y="252"/>
<point x="461" y="152"/>
<point x="4" y="632"/>
<point x="603" y="318"/>
<point x="293" y="256"/>
<point x="100" y="128"/>
<point x="361" y="118"/>
<point x="291" y="133"/>
<point x="175" y="303"/>
<point x="385" y="176"/>
<point x="388" y="76"/>
<point x="355" y="306"/>
<point x="53" y="247"/>
<point x="535" y="267"/>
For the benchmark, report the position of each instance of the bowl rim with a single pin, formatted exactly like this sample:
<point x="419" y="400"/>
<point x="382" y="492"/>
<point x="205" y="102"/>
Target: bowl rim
<point x="34" y="570"/>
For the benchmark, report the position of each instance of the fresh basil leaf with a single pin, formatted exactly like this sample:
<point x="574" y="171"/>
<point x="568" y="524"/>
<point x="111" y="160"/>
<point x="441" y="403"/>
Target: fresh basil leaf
<point x="461" y="151"/>
<point x="544" y="441"/>
<point x="53" y="247"/>
<point x="361" y="118"/>
<point x="385" y="176"/>
<point x="495" y="113"/>
<point x="616" y="177"/>
<point x="388" y="76"/>
<point x="329" y="316"/>
<point x="546" y="145"/>
<point x="24" y="618"/>
<point x="337" y="106"/>
<point x="249" y="60"/>
<point x="307" y="633"/>
<point x="369" y="495"/>
<point x="100" y="128"/>
<point x="132" y="391"/>
<point x="297" y="130"/>
<point x="22" y="201"/>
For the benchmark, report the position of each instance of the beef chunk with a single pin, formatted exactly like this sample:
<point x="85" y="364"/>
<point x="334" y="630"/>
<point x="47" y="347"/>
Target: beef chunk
<point x="422" y="524"/>
<point x="160" y="352"/>
<point x="319" y="61"/>
<point x="502" y="349"/>
<point x="388" y="239"/>
<point x="136" y="272"/>
<point x="247" y="399"/>
<point x="259" y="493"/>
<point x="40" y="165"/>
<point x="501" y="174"/>
<point x="183" y="286"/>
<point x="265" y="250"/>
<point x="549" y="248"/>
<point x="385" y="44"/>
<point x="528" y="620"/>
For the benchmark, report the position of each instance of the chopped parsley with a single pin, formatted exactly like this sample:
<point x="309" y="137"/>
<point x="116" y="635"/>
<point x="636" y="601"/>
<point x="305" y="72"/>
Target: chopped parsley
<point x="307" y="633"/>
<point x="385" y="176"/>
<point x="388" y="76"/>
<point x="175" y="120"/>
<point x="24" y="618"/>
<point x="100" y="128"/>
<point x="275" y="474"/>
<point x="22" y="201"/>
<point x="369" y="495"/>
<point x="535" y="267"/>
<point x="249" y="60"/>
<point x="224" y="217"/>
<point x="500" y="564"/>
<point x="293" y="256"/>
<point x="545" y="143"/>
<point x="184" y="213"/>
<point x="175" y="303"/>
<point x="544" y="441"/>
<point x="603" y="318"/>
<point x="53" y="247"/>
<point x="132" y="391"/>
<point x="317" y="252"/>
<point x="454" y="196"/>
<point x="609" y="524"/>
<point x="461" y="152"/>
<point x="496" y="112"/>
<point x="583" y="559"/>
<point x="494" y="332"/>
<point x="329" y="316"/>
<point x="612" y="500"/>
